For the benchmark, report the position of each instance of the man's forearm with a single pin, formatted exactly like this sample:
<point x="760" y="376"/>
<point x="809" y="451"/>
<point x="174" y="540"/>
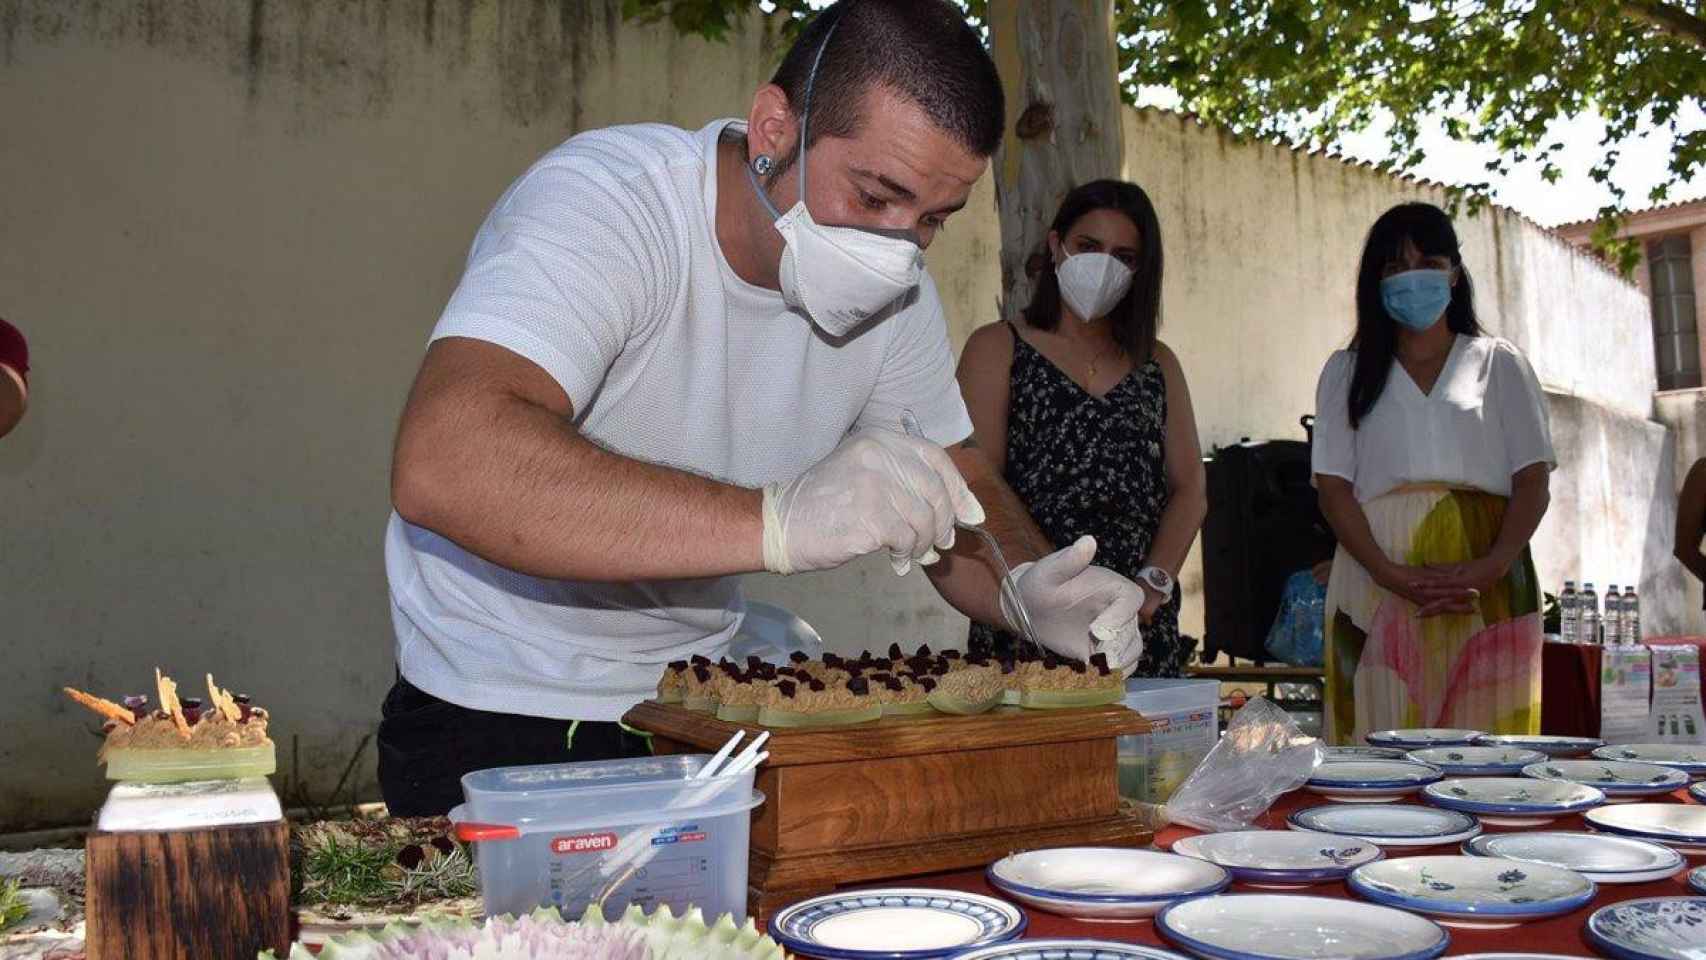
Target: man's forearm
<point x="516" y="485"/>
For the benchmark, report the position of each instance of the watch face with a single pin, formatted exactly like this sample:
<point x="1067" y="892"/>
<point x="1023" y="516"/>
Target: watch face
<point x="1159" y="580"/>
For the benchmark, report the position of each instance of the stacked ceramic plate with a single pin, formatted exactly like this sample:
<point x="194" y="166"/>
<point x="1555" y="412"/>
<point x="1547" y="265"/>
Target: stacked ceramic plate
<point x="1068" y="950"/>
<point x="1657" y="928"/>
<point x="1601" y="857"/>
<point x="895" y="923"/>
<point x="1104" y="883"/>
<point x="1697" y="792"/>
<point x="1552" y="746"/>
<point x="1476" y="892"/>
<point x="1280" y="859"/>
<point x="1361" y="753"/>
<point x="1678" y="756"/>
<point x="1421" y="738"/>
<point x="1513" y="801"/>
<point x="1477" y="761"/>
<point x="1275" y="926"/>
<point x="1681" y="826"/>
<point x="1697" y="879"/>
<point x="1398" y="825"/>
<point x="1370" y="781"/>
<point x="1620" y="780"/>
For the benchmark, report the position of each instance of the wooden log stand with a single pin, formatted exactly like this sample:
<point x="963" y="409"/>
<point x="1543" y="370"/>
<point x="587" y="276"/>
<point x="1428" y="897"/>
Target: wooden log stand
<point x="912" y="795"/>
<point x="190" y="894"/>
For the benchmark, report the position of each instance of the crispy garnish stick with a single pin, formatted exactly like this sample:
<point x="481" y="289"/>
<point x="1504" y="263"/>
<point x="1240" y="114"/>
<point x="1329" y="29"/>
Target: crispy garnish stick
<point x="169" y="702"/>
<point x="106" y="708"/>
<point x="223" y="701"/>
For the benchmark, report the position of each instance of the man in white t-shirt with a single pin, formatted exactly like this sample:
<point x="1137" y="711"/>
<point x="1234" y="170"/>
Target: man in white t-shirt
<point x="651" y="379"/>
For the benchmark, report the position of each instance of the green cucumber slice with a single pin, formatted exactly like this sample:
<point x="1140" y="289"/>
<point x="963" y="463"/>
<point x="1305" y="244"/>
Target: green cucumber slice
<point x="1061" y="699"/>
<point x="700" y="703"/>
<point x="673" y="695"/>
<point x="772" y="717"/>
<point x="738" y="712"/>
<point x="1010" y="697"/>
<point x="177" y="765"/>
<point x="917" y="708"/>
<point x="948" y="703"/>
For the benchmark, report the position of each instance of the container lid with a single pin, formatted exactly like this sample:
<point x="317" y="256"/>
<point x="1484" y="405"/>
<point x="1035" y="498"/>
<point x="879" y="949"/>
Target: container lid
<point x="1164" y="695"/>
<point x="600" y="777"/>
<point x="730" y="801"/>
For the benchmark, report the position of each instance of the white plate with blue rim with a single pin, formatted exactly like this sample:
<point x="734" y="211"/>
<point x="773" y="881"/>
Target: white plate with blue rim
<point x="1697" y="792"/>
<point x="1289" y="926"/>
<point x="1601" y="857"/>
<point x="1479" y="893"/>
<point x="1688" y="758"/>
<point x="1280" y="859"/>
<point x="1697" y="879"/>
<point x="1370" y="781"/>
<point x="1104" y="883"/>
<point x="1680" y="826"/>
<point x="1421" y="738"/>
<point x="1477" y="761"/>
<point x="1513" y="801"/>
<point x="1355" y="752"/>
<point x="895" y="923"/>
<point x="1388" y="825"/>
<point x="1620" y="780"/>
<point x="1068" y="950"/>
<point x="1562" y="748"/>
<point x="1654" y="928"/>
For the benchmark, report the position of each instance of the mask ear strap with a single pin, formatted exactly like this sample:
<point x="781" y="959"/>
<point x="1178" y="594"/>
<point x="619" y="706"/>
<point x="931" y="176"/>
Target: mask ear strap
<point x="806" y="108"/>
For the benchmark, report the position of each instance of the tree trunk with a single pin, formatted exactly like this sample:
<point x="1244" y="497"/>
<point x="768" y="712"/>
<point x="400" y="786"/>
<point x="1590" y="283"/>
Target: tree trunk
<point x="1060" y="68"/>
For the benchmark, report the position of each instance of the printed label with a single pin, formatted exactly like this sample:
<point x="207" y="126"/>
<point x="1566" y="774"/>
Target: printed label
<point x="584" y="843"/>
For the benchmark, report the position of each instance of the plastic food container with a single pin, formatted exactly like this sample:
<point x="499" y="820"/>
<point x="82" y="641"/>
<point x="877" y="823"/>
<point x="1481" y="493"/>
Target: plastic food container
<point x="615" y="832"/>
<point x="1185" y="727"/>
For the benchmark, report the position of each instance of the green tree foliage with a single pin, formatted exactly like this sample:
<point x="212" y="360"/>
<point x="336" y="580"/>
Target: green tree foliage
<point x="1308" y="72"/>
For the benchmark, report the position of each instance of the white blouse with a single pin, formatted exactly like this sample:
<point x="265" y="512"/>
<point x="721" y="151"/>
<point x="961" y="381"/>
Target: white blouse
<point x="1484" y="420"/>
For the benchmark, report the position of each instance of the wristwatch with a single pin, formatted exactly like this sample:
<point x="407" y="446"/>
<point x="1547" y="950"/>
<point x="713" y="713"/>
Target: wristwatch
<point x="1158" y="580"/>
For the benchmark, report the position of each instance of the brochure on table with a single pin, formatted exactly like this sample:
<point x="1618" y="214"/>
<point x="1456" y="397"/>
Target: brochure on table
<point x="1675" y="716"/>
<point x="1625" y="694"/>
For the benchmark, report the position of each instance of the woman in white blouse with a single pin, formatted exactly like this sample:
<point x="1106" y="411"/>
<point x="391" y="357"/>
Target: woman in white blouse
<point x="1431" y="454"/>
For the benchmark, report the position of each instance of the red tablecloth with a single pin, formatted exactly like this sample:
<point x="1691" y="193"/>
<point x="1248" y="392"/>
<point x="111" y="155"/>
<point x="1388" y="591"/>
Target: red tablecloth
<point x="1564" y="935"/>
<point x="1569" y="681"/>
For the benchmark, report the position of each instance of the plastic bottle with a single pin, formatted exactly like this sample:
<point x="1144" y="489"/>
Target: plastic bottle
<point x="1613" y="619"/>
<point x="1569" y="612"/>
<point x="1588" y="626"/>
<point x="1631" y="612"/>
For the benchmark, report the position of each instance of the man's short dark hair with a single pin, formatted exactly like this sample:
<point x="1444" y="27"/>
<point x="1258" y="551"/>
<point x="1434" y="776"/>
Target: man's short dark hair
<point x="922" y="49"/>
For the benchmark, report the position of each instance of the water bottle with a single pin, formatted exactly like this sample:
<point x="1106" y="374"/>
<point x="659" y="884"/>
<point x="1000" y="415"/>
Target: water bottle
<point x="1569" y="606"/>
<point x="1631" y="631"/>
<point x="1588" y="625"/>
<point x="1613" y="617"/>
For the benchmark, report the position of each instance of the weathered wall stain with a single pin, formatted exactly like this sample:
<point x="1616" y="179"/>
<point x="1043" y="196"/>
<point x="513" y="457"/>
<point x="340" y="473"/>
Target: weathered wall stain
<point x="337" y="58"/>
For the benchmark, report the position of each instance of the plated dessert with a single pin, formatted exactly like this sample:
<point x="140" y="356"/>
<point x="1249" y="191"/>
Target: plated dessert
<point x="182" y="738"/>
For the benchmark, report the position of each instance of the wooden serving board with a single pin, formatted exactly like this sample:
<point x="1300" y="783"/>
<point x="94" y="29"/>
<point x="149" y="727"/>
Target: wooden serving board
<point x="912" y="795"/>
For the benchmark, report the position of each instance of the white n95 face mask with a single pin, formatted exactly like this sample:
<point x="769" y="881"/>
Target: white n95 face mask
<point x="840" y="276"/>
<point x="1093" y="283"/>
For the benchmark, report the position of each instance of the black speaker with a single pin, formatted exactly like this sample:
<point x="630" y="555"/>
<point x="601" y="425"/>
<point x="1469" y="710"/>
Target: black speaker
<point x="1263" y="525"/>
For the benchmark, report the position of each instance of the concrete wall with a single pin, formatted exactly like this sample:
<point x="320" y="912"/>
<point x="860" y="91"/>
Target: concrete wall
<point x="229" y="227"/>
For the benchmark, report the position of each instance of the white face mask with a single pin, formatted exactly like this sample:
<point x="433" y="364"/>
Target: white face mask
<point x="1093" y="283"/>
<point x="840" y="276"/>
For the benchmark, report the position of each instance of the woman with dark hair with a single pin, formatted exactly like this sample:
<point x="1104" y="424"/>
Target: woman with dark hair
<point x="1086" y="413"/>
<point x="1431" y="453"/>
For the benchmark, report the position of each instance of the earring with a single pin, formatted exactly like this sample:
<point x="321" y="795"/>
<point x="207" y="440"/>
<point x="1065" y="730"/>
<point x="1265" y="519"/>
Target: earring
<point x="762" y="165"/>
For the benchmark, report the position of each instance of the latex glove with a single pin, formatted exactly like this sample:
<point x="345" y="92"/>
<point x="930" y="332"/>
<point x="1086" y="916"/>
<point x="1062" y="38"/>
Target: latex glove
<point x="877" y="490"/>
<point x="1077" y="609"/>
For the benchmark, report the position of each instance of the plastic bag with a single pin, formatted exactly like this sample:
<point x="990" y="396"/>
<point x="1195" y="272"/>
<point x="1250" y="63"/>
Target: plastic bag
<point x="1261" y="756"/>
<point x="1295" y="636"/>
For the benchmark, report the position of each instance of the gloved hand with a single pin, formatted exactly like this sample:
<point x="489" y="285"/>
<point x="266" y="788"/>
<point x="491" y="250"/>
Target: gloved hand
<point x="1078" y="610"/>
<point x="877" y="490"/>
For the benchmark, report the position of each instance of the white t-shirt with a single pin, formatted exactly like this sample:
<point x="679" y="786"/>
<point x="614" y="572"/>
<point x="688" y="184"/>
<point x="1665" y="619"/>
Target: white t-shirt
<point x="1484" y="420"/>
<point x="601" y="265"/>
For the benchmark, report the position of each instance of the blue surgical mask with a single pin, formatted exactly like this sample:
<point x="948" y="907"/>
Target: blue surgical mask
<point x="1417" y="298"/>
